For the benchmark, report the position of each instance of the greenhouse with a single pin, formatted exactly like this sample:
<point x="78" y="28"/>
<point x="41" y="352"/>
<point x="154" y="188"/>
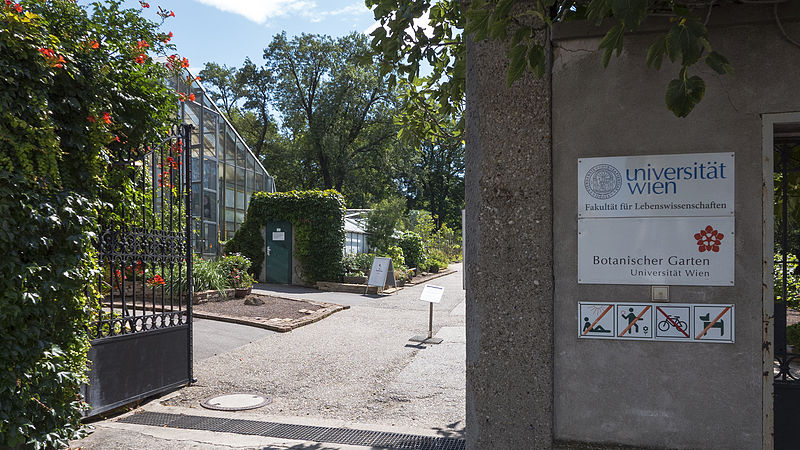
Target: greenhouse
<point x="225" y="172"/>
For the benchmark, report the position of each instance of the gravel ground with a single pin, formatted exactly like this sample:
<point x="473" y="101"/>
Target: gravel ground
<point x="354" y="365"/>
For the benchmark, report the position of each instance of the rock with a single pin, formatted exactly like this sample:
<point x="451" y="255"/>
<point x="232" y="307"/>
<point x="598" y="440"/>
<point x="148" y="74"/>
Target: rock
<point x="253" y="301"/>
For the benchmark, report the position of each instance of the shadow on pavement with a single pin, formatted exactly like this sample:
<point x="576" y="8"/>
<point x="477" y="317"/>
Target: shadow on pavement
<point x="286" y="288"/>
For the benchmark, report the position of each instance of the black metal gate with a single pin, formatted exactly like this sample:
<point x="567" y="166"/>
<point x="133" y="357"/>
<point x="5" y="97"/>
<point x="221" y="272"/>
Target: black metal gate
<point x="142" y="332"/>
<point x="787" y="282"/>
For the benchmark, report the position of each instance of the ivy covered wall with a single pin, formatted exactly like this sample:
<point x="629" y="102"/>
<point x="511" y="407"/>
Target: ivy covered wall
<point x="317" y="219"/>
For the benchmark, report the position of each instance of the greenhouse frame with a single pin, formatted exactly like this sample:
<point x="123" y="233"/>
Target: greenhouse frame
<point x="225" y="172"/>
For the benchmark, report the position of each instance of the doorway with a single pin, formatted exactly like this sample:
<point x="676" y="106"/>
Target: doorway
<point x="279" y="252"/>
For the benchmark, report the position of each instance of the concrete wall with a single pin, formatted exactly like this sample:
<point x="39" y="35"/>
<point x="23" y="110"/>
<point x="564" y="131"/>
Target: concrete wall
<point x="508" y="256"/>
<point x="665" y="394"/>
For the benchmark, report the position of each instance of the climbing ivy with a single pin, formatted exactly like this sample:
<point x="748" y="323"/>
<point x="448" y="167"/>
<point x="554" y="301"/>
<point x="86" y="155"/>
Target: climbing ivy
<point x="76" y="89"/>
<point x="317" y="219"/>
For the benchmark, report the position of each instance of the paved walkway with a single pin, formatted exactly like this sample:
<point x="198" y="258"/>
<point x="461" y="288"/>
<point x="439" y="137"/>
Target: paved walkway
<point x="354" y="369"/>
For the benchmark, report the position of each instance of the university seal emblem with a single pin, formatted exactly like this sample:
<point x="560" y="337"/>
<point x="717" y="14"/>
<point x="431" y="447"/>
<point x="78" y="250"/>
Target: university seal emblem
<point x="603" y="181"/>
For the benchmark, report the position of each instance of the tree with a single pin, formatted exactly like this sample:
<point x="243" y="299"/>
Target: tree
<point x="403" y="43"/>
<point x="223" y="85"/>
<point x="336" y="106"/>
<point x="437" y="181"/>
<point x="382" y="222"/>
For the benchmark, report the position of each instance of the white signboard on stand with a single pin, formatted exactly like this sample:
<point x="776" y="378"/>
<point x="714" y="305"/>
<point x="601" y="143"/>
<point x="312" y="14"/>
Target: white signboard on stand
<point x="693" y="184"/>
<point x="695" y="251"/>
<point x="381" y="267"/>
<point x="431" y="293"/>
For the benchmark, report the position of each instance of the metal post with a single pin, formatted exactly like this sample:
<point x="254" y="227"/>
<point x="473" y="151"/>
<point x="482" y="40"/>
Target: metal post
<point x="430" y="323"/>
<point x="186" y="130"/>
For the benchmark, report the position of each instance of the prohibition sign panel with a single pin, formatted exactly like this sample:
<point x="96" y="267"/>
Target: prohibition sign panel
<point x="673" y="323"/>
<point x="713" y="323"/>
<point x="634" y="321"/>
<point x="596" y="320"/>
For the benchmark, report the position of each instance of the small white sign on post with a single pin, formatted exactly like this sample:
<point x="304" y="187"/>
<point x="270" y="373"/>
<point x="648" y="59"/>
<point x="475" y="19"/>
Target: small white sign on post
<point x="381" y="269"/>
<point x="279" y="235"/>
<point x="432" y="294"/>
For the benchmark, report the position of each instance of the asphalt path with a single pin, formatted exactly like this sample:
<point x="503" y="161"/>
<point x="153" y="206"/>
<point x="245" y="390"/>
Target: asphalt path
<point x="213" y="337"/>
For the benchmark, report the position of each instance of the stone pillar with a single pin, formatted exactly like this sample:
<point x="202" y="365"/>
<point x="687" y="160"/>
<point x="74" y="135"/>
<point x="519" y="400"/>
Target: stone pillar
<point x="509" y="255"/>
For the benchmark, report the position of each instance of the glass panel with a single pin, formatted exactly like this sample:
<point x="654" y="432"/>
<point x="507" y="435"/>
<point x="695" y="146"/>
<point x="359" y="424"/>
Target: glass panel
<point x="230" y="216"/>
<point x="240" y="178"/>
<point x="198" y="240"/>
<point x="240" y="152"/>
<point x="195" y="169"/>
<point x="246" y="200"/>
<point x="239" y="216"/>
<point x="221" y="172"/>
<point x="231" y="233"/>
<point x="210" y="206"/>
<point x="231" y="228"/>
<point x="239" y="199"/>
<point x="196" y="194"/>
<point x="259" y="182"/>
<point x="210" y="174"/>
<point x="230" y="153"/>
<point x="270" y="187"/>
<point x="230" y="176"/>
<point x="251" y="186"/>
<point x="211" y="238"/>
<point x="250" y="161"/>
<point x="229" y="198"/>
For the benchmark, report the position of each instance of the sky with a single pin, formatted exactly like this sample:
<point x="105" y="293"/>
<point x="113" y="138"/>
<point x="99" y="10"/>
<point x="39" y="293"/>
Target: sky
<point x="228" y="31"/>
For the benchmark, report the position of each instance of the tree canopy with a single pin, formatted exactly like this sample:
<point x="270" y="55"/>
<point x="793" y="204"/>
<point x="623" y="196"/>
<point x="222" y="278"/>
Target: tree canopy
<point x="417" y="31"/>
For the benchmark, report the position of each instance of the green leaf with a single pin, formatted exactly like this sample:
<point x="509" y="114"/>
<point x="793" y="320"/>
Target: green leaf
<point x="655" y="55"/>
<point x="519" y="35"/>
<point x="719" y="63"/>
<point x="517" y="63"/>
<point x="537" y="60"/>
<point x="598" y="10"/>
<point x="612" y="41"/>
<point x="630" y="12"/>
<point x="685" y="40"/>
<point x="683" y="94"/>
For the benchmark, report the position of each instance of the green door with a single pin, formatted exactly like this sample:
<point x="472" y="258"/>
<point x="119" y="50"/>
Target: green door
<point x="279" y="252"/>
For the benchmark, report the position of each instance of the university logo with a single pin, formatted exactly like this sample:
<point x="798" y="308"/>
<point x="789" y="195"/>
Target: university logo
<point x="603" y="181"/>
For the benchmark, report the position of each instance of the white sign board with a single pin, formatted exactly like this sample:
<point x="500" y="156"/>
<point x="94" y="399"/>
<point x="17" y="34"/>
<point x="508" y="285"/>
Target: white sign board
<point x="676" y="322"/>
<point x="695" y="251"/>
<point x="695" y="184"/>
<point x="381" y="267"/>
<point x="432" y="294"/>
<point x="278" y="235"/>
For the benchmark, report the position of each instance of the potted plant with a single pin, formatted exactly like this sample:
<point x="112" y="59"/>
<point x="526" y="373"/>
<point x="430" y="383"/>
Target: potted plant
<point x="242" y="283"/>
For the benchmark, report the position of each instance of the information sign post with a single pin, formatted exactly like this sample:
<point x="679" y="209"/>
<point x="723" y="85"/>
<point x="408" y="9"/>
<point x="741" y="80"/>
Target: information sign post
<point x="431" y="294"/>
<point x="381" y="269"/>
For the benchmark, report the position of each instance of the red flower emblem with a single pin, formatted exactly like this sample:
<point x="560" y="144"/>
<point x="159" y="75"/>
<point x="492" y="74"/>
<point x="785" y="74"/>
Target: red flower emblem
<point x="708" y="239"/>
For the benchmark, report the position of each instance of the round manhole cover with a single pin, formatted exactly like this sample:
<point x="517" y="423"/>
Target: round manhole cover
<point x="236" y="402"/>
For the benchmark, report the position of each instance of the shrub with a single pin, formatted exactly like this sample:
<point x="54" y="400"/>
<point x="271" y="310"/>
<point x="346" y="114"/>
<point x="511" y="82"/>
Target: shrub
<point x="436" y="260"/>
<point x="793" y="336"/>
<point x="396" y="253"/>
<point x="209" y="274"/>
<point x="382" y="222"/>
<point x="235" y="267"/>
<point x="413" y="249"/>
<point x="792" y="280"/>
<point x="358" y="264"/>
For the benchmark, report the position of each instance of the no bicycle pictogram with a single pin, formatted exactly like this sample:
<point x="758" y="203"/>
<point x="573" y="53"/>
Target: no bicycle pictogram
<point x="672" y="322"/>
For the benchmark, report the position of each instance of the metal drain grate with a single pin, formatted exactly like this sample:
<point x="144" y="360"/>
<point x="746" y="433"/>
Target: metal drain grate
<point x="344" y="436"/>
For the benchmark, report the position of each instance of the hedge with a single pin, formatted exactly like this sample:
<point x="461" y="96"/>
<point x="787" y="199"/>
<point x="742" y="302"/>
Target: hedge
<point x="317" y="219"/>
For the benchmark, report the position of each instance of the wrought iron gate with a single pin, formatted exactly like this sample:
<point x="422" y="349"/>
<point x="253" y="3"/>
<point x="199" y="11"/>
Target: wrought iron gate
<point x="142" y="332"/>
<point x="787" y="281"/>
